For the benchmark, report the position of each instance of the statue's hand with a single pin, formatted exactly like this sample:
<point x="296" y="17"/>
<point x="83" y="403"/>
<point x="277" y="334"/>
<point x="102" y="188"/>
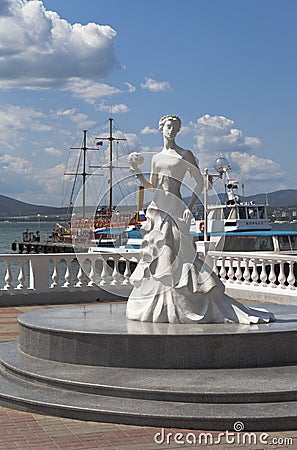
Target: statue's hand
<point x="187" y="217"/>
<point x="134" y="169"/>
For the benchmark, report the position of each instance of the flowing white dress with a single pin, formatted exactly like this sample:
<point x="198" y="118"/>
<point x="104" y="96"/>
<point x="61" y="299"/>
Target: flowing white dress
<point x="170" y="283"/>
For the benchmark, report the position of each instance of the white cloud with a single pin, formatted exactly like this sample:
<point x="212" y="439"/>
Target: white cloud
<point x="50" y="181"/>
<point x="65" y="112"/>
<point x="155" y="86"/>
<point x="256" y="168"/>
<point x="112" y="109"/>
<point x="219" y="134"/>
<point x="130" y="87"/>
<point x="90" y="91"/>
<point x="148" y="130"/>
<point x="17" y="121"/>
<point x="53" y="151"/>
<point x="82" y="120"/>
<point x="49" y="50"/>
<point x="133" y="141"/>
<point x="15" y="165"/>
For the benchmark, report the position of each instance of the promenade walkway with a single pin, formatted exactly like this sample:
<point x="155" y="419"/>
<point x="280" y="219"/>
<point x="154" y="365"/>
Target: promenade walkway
<point x="22" y="430"/>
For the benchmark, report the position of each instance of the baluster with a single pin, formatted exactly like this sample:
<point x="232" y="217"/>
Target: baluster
<point x="21" y="277"/>
<point x="92" y="274"/>
<point x="291" y="276"/>
<point x="214" y="265"/>
<point x="272" y="275"/>
<point x="255" y="275"/>
<point x="231" y="272"/>
<point x="246" y="273"/>
<point x="263" y="274"/>
<point x="115" y="274"/>
<point x="238" y="273"/>
<point x="80" y="278"/>
<point x="67" y="275"/>
<point x="104" y="273"/>
<point x="223" y="269"/>
<point x="282" y="276"/>
<point x="55" y="275"/>
<point x="127" y="273"/>
<point x="8" y="277"/>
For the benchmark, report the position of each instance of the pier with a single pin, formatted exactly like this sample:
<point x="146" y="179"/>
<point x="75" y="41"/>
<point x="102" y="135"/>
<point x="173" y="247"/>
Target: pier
<point x="42" y="247"/>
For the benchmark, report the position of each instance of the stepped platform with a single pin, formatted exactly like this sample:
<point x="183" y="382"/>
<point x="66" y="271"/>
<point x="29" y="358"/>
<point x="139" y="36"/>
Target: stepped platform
<point x="91" y="363"/>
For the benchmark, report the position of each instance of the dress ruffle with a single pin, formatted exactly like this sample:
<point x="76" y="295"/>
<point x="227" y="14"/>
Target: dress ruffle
<point x="171" y="284"/>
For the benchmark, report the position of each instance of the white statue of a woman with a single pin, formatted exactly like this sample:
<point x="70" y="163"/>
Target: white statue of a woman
<point x="170" y="283"/>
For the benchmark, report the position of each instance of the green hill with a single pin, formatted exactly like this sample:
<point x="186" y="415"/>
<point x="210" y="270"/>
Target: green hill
<point x="9" y="207"/>
<point x="282" y="198"/>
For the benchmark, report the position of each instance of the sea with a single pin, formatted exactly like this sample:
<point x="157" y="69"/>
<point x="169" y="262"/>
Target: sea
<point x="13" y="231"/>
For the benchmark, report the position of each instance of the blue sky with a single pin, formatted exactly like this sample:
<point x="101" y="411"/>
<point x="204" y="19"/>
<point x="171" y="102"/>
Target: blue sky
<point x="227" y="68"/>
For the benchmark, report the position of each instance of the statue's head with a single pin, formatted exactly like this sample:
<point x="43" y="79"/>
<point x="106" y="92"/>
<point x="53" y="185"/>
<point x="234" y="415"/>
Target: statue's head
<point x="164" y="119"/>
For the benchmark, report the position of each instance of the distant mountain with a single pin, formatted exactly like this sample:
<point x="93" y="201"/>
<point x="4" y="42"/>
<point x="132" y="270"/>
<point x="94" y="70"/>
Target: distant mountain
<point x="9" y="207"/>
<point x="283" y="198"/>
<point x="277" y="199"/>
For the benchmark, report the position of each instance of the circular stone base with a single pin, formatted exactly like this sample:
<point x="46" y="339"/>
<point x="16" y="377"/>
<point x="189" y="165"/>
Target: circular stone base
<point x="101" y="335"/>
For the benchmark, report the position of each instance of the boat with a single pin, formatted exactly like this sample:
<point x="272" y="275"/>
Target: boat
<point x="234" y="225"/>
<point x="240" y="226"/>
<point x="106" y="229"/>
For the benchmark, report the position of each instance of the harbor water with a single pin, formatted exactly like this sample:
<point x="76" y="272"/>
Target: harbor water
<point x="13" y="231"/>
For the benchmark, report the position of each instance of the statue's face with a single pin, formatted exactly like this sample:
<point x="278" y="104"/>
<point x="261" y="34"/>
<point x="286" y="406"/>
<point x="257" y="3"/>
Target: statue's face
<point x="170" y="129"/>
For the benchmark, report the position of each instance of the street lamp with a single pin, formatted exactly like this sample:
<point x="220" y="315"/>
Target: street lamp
<point x="222" y="166"/>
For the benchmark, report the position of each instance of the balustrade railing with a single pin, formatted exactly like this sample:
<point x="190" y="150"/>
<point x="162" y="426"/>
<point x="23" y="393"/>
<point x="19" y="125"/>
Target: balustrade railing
<point x="266" y="270"/>
<point x="48" y="272"/>
<point x="28" y="273"/>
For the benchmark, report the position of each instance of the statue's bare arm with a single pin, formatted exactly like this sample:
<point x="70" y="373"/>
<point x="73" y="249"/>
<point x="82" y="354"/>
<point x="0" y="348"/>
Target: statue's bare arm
<point x="197" y="175"/>
<point x="152" y="184"/>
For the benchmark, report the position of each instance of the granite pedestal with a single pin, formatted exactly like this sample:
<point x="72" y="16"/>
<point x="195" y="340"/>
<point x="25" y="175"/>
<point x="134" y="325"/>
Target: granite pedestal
<point x="91" y="363"/>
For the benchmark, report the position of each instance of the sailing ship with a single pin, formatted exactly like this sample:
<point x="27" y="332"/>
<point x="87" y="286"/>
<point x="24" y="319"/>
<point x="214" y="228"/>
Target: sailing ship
<point x="105" y="227"/>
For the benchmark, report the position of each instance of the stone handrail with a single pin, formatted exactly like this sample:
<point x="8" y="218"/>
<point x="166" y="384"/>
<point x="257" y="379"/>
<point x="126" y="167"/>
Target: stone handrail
<point x="268" y="277"/>
<point x="65" y="276"/>
<point x="262" y="277"/>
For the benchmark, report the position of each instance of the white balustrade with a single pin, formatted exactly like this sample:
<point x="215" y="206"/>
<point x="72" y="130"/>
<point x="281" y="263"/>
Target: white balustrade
<point x="39" y="273"/>
<point x="272" y="275"/>
<point x="63" y="271"/>
<point x="291" y="277"/>
<point x="266" y="270"/>
<point x="282" y="276"/>
<point x="246" y="272"/>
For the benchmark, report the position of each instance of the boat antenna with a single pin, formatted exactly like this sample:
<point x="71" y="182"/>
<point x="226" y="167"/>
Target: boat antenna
<point x="243" y="193"/>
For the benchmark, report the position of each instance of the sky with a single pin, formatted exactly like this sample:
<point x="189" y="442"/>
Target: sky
<point x="227" y="68"/>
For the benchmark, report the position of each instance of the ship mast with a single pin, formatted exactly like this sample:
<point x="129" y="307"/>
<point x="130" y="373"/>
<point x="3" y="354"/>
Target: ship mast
<point x="84" y="148"/>
<point x="110" y="166"/>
